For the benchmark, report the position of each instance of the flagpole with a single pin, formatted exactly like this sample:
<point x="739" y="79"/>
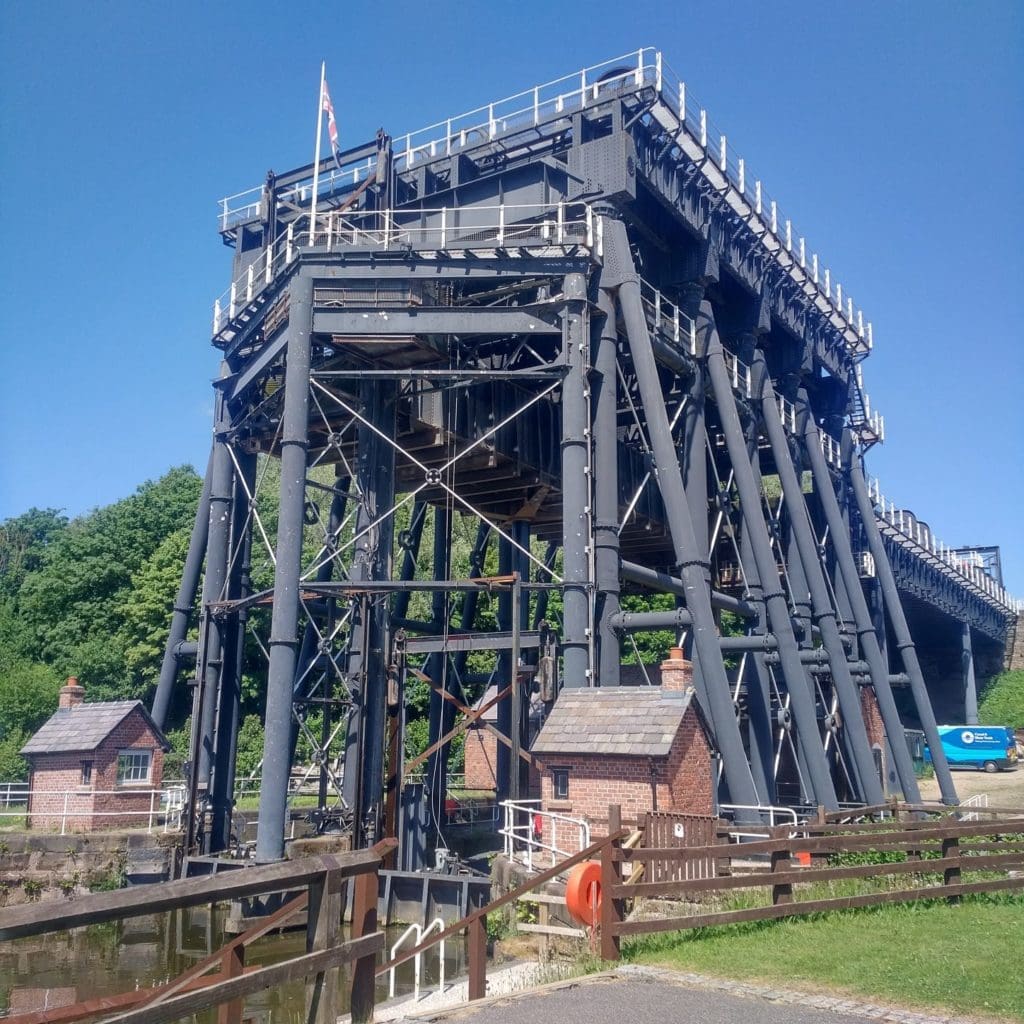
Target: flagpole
<point x="316" y="158"/>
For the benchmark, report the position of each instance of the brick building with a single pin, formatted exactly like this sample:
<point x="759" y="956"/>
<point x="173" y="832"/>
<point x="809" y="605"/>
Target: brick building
<point x="645" y="748"/>
<point x="94" y="765"/>
<point x="482" y="746"/>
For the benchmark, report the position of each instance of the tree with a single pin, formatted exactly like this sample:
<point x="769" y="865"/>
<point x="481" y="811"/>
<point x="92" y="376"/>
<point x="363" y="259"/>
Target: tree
<point x="23" y="543"/>
<point x="71" y="603"/>
<point x="28" y="696"/>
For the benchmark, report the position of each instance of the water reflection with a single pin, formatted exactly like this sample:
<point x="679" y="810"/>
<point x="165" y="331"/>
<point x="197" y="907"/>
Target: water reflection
<point x="63" y="968"/>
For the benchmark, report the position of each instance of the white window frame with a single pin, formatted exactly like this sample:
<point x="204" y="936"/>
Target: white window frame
<point x="133" y="753"/>
<point x="557" y="770"/>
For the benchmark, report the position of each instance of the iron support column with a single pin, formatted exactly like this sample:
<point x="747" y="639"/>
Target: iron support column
<point x="901" y="631"/>
<point x="798" y="682"/>
<point x="183" y="602"/>
<point x="970" y="686"/>
<point x="222" y="789"/>
<point x="285" y="618"/>
<point x="437" y="763"/>
<point x="576" y="641"/>
<point x="214" y="582"/>
<point x="822" y="611"/>
<point x="691" y="557"/>
<point x="869" y="647"/>
<point x="606" y="492"/>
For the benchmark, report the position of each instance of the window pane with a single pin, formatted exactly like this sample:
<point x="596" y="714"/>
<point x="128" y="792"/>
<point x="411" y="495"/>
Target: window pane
<point x="133" y="766"/>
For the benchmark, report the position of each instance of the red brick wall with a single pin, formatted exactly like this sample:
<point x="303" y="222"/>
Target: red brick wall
<point x="61" y="773"/>
<point x="682" y="781"/>
<point x="481" y="759"/>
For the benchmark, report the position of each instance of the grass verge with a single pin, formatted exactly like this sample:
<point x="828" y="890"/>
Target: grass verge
<point x="962" y="957"/>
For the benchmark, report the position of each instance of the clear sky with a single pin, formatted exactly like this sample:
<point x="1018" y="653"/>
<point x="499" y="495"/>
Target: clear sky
<point x="889" y="132"/>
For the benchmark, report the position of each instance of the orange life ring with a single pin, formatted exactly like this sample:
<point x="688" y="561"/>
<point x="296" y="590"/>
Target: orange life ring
<point x="583" y="892"/>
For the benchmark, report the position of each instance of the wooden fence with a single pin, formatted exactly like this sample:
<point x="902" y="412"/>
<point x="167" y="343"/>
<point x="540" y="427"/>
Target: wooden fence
<point x="938" y="852"/>
<point x="323" y="880"/>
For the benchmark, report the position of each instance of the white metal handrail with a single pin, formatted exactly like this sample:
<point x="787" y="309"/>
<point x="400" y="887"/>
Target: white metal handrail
<point x="505" y="224"/>
<point x="520" y="836"/>
<point x="775" y="815"/>
<point x="420" y="933"/>
<point x="912" y="534"/>
<point x="167" y="803"/>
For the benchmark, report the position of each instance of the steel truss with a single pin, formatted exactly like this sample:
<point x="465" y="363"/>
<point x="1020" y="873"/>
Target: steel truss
<point x="561" y="350"/>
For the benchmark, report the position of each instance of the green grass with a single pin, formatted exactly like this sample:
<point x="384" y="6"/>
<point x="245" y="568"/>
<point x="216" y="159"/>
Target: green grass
<point x="965" y="958"/>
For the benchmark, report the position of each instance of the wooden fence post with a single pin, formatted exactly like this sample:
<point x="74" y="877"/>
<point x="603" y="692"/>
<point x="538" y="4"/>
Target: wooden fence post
<point x="323" y="927"/>
<point x="782" y="893"/>
<point x="611" y="910"/>
<point x="951" y="876"/>
<point x="231" y="966"/>
<point x="364" y="922"/>
<point x="477" y="956"/>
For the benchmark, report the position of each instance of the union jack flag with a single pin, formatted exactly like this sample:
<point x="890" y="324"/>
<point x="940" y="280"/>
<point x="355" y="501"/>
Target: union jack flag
<point x="332" y="125"/>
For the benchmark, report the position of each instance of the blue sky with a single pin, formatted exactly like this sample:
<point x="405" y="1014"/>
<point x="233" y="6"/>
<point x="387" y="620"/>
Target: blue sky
<point x="889" y="132"/>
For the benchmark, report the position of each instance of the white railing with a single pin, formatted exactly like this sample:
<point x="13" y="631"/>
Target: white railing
<point x="166" y="803"/>
<point x="919" y="538"/>
<point x="442" y="228"/>
<point x="739" y="373"/>
<point x="420" y="934"/>
<point x="769" y="814"/>
<point x="522" y="837"/>
<point x="667" y="319"/>
<point x="677" y="111"/>
<point x="979" y="800"/>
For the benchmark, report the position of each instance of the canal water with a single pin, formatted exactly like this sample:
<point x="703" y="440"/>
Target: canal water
<point x="67" y="967"/>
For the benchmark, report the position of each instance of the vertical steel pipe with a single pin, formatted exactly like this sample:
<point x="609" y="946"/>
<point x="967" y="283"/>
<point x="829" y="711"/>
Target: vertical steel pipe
<point x="576" y="537"/>
<point x="285" y="617"/>
<point x="604" y="387"/>
<point x="970" y="685"/>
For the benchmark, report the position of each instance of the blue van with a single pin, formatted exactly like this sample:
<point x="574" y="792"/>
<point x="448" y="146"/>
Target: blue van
<point x="988" y="747"/>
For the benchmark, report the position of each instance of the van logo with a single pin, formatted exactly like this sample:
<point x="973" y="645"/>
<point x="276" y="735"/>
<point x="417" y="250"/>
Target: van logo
<point x="967" y="736"/>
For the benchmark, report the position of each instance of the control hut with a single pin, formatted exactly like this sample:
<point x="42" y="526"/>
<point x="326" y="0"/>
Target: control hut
<point x="643" y="748"/>
<point x="94" y="766"/>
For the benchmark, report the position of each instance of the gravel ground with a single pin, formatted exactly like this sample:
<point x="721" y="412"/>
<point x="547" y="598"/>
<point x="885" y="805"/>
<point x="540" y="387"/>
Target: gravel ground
<point x="1004" y="789"/>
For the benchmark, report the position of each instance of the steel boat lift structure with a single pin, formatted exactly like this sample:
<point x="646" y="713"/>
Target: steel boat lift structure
<point x="570" y="324"/>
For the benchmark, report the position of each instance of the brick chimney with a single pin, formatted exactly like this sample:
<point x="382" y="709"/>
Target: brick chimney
<point x="676" y="674"/>
<point x="71" y="694"/>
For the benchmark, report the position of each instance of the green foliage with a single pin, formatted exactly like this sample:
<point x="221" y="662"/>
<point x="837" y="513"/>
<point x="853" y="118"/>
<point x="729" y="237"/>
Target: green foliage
<point x="250" y="747"/>
<point x="70" y="605"/>
<point x="13" y="767"/>
<point x="28" y="695"/>
<point x="1002" y="701"/>
<point x="23" y="543"/>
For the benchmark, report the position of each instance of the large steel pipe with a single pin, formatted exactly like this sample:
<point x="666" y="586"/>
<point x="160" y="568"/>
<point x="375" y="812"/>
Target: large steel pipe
<point x="822" y="611"/>
<point x="870" y="650"/>
<point x="691" y="558"/>
<point x="802" y="701"/>
<point x="288" y="565"/>
<point x="899" y="625"/>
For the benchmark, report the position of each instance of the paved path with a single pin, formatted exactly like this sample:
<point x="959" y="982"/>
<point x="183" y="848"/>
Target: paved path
<point x="638" y="995"/>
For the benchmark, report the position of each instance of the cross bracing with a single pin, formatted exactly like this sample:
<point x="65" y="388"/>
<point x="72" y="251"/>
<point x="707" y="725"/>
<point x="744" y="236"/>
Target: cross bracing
<point x="587" y="354"/>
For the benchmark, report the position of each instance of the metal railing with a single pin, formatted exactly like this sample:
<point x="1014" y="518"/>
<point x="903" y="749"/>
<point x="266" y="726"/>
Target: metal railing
<point x="421" y="933"/>
<point x="443" y="228"/>
<point x="166" y="803"/>
<point x="912" y="533"/>
<point x="522" y="837"/>
<point x="667" y="319"/>
<point x="676" y="110"/>
<point x="770" y="815"/>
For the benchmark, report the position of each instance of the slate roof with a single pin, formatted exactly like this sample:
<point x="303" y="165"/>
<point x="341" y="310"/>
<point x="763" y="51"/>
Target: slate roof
<point x="85" y="726"/>
<point x="634" y="721"/>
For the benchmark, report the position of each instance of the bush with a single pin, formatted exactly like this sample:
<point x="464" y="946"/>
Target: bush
<point x="1002" y="700"/>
